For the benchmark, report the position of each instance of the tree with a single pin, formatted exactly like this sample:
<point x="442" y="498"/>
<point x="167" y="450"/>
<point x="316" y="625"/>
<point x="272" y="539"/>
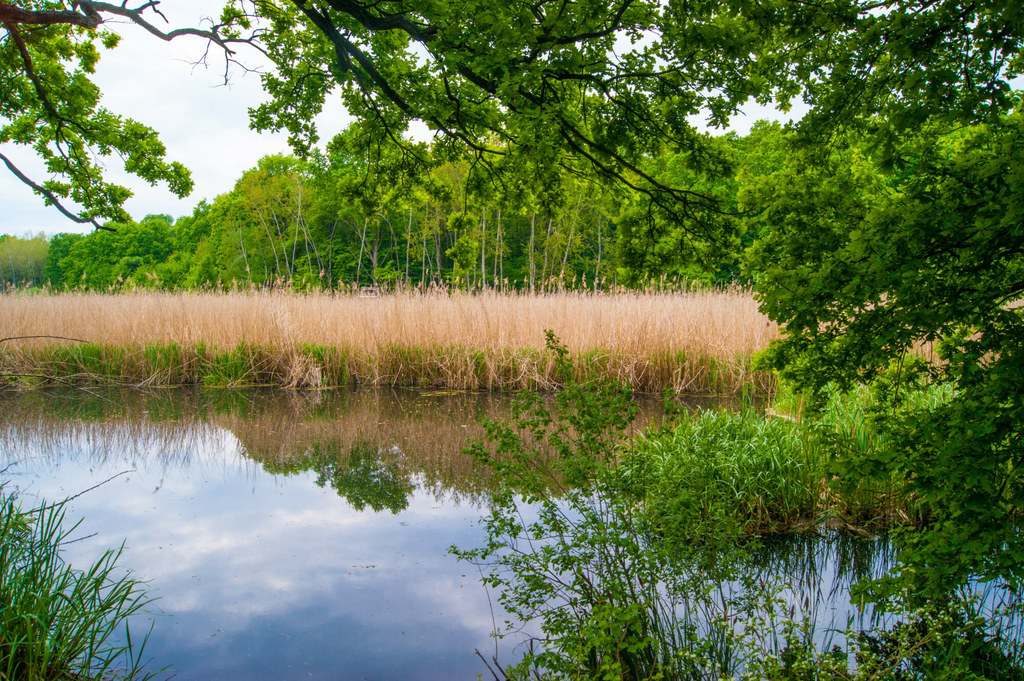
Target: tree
<point x="22" y="261"/>
<point x="545" y="83"/>
<point x="872" y="258"/>
<point x="896" y="222"/>
<point x="59" y="247"/>
<point x="48" y="51"/>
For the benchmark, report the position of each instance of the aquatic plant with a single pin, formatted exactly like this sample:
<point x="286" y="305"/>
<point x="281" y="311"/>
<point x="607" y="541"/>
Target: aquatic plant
<point x="57" y="622"/>
<point x="572" y="558"/>
<point x="647" y="563"/>
<point x="714" y="468"/>
<point x="697" y="342"/>
<point x="940" y="642"/>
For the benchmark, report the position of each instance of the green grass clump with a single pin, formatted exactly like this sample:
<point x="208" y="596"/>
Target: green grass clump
<point x="716" y="473"/>
<point x="245" y="364"/>
<point x="331" y="361"/>
<point x="169" y="364"/>
<point x="87" y="363"/>
<point x="57" y="622"/>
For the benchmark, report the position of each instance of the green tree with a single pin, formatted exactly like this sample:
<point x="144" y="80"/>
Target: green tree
<point x="126" y="253"/>
<point x="652" y="242"/>
<point x="59" y="248"/>
<point x="23" y="261"/>
<point x="49" y="105"/>
<point x="537" y="85"/>
<point x="871" y="257"/>
<point x="895" y="222"/>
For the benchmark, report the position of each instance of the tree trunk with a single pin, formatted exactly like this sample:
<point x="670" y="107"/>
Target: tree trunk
<point x="499" y="270"/>
<point x="245" y="257"/>
<point x="408" y="245"/>
<point x="533" y="269"/>
<point x="483" y="251"/>
<point x="362" y="243"/>
<point x="544" y="269"/>
<point x="568" y="245"/>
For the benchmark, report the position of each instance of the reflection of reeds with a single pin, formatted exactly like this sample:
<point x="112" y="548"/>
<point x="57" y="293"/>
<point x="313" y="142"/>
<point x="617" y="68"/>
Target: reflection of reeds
<point x="29" y="432"/>
<point x="695" y="342"/>
<point x="421" y="435"/>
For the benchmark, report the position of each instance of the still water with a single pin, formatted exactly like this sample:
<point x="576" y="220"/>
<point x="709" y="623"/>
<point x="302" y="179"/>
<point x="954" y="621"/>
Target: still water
<point x="287" y="535"/>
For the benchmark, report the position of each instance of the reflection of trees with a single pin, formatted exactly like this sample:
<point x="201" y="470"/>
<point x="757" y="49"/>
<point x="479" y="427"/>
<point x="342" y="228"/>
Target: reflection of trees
<point x="364" y="436"/>
<point x="362" y="478"/>
<point x="420" y="435"/>
<point x="364" y="475"/>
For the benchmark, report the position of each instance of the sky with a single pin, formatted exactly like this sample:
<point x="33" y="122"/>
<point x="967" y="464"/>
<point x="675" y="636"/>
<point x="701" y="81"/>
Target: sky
<point x="203" y="123"/>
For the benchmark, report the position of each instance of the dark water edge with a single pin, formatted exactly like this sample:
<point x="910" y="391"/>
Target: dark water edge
<point x="296" y="535"/>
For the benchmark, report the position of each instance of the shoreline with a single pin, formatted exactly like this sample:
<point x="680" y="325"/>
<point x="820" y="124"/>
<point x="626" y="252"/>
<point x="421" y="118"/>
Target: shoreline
<point x="691" y="342"/>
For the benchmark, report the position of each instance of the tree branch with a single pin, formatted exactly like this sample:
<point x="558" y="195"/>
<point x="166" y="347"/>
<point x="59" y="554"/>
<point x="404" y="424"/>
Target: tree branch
<point x="51" y="197"/>
<point x="16" y="15"/>
<point x="135" y="15"/>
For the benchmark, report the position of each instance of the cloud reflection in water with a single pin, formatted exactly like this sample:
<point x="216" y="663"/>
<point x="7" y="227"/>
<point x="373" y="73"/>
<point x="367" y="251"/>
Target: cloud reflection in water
<point x="263" y="576"/>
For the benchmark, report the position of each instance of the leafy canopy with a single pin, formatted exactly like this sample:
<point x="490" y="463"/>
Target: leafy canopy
<point x="50" y="105"/>
<point x="906" y="273"/>
<point x="594" y="87"/>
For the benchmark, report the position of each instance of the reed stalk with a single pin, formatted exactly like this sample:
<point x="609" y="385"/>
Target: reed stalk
<point x="694" y="342"/>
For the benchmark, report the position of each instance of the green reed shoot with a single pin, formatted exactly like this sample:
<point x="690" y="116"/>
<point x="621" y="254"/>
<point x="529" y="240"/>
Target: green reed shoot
<point x="58" y="622"/>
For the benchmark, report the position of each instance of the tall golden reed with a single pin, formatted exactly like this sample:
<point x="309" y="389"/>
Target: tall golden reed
<point x="695" y="342"/>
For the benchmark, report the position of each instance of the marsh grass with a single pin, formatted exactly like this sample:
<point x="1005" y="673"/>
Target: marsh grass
<point x="57" y="622"/>
<point x="847" y="427"/>
<point x="696" y="342"/>
<point x="717" y="469"/>
<point x="759" y="473"/>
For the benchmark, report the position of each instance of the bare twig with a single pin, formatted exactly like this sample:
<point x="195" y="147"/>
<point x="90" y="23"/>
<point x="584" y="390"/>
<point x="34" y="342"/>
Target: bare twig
<point x="489" y="668"/>
<point x="72" y="541"/>
<point x="84" y="491"/>
<point x="136" y="17"/>
<point x="100" y="484"/>
<point x="12" y="338"/>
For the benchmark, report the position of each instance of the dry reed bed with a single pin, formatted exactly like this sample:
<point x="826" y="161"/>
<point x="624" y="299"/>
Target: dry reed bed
<point x="694" y="342"/>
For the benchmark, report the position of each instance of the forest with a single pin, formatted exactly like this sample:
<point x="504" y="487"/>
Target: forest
<point x="346" y="218"/>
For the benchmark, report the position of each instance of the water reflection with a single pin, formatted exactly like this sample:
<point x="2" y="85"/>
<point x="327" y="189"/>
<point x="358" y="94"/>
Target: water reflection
<point x="304" y="535"/>
<point x="253" y="517"/>
<point x="412" y="435"/>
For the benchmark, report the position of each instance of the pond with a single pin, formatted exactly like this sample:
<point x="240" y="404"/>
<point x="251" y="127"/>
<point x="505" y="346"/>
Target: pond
<point x="296" y="535"/>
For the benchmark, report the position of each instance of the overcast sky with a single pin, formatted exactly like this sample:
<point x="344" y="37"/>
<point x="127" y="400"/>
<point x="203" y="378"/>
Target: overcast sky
<point x="203" y="123"/>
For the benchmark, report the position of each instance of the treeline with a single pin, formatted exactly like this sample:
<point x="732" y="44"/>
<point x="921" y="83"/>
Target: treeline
<point x="355" y="216"/>
<point x="23" y="261"/>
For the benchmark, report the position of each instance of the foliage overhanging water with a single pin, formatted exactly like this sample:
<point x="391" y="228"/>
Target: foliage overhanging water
<point x="293" y="535"/>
